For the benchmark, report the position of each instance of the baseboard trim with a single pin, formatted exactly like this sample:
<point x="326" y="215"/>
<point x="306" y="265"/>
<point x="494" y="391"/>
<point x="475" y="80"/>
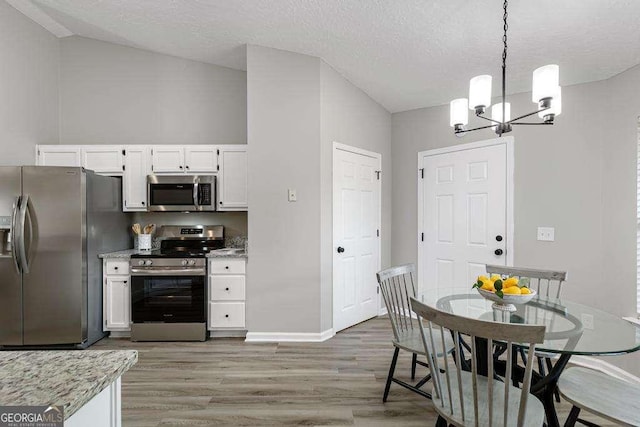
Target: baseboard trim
<point x="289" y="336"/>
<point x="383" y="311"/>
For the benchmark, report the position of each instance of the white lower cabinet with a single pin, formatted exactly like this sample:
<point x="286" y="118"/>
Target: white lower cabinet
<point x="116" y="296"/>
<point x="226" y="294"/>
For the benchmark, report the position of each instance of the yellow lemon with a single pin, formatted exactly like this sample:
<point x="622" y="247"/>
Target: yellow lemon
<point x="483" y="279"/>
<point x="525" y="291"/>
<point x="513" y="290"/>
<point x="511" y="281"/>
<point x="488" y="286"/>
<point x="496" y="277"/>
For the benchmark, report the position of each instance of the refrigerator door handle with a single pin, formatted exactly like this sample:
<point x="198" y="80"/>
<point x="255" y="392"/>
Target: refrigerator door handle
<point x="24" y="207"/>
<point x="15" y="239"/>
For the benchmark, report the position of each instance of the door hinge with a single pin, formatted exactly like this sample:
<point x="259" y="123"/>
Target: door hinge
<point x="378" y="233"/>
<point x="38" y="152"/>
<point x="122" y="167"/>
<point x="152" y="151"/>
<point x="378" y="175"/>
<point x="421" y="173"/>
<point x="422" y="237"/>
<point x="124" y="152"/>
<point x="378" y="290"/>
<point x="218" y="167"/>
<point x="152" y="168"/>
<point x="218" y="152"/>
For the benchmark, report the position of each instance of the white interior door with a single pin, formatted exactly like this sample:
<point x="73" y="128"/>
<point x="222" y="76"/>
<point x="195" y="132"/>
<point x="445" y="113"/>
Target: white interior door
<point x="465" y="213"/>
<point x="356" y="229"/>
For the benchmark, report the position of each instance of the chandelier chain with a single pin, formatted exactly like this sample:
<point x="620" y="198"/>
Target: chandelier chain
<point x="504" y="61"/>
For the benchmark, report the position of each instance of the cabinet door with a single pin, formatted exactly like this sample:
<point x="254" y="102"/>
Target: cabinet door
<point x="137" y="162"/>
<point x="233" y="179"/>
<point x="58" y="155"/>
<point x="105" y="159"/>
<point x="167" y="159"/>
<point x="201" y="158"/>
<point x="118" y="303"/>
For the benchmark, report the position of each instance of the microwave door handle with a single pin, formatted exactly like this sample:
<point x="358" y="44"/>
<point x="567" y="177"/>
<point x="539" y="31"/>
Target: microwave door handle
<point x="195" y="194"/>
<point x="15" y="238"/>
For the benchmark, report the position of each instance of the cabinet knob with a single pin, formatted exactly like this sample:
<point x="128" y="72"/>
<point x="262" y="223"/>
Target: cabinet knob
<point x="226" y="315"/>
<point x="226" y="267"/>
<point x="226" y="289"/>
<point x="142" y="203"/>
<point x="180" y="167"/>
<point x="187" y="167"/>
<point x="115" y="268"/>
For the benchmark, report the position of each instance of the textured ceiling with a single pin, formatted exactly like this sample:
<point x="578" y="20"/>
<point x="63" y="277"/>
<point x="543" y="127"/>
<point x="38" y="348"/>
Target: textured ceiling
<point x="405" y="54"/>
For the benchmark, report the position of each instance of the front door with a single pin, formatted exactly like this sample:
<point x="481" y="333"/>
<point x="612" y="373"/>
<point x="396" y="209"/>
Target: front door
<point x="464" y="213"/>
<point x="356" y="229"/>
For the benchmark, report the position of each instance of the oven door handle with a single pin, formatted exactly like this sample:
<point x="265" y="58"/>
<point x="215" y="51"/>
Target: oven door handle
<point x="169" y="272"/>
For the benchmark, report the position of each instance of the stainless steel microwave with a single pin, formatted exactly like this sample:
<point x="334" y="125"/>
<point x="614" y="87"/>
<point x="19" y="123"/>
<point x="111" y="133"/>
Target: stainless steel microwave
<point x="181" y="193"/>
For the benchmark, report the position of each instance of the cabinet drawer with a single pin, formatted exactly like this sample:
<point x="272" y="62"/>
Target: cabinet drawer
<point x="226" y="315"/>
<point x="118" y="267"/>
<point x="226" y="288"/>
<point x="227" y="266"/>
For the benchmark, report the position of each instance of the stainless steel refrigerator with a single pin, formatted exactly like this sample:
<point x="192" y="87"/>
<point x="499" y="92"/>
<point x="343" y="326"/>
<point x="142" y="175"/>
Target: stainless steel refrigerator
<point x="54" y="221"/>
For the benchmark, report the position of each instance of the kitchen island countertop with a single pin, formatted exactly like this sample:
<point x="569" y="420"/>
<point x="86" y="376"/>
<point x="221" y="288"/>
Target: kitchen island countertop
<point x="60" y="377"/>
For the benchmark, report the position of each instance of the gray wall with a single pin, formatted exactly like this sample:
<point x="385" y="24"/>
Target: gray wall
<point x="577" y="176"/>
<point x="349" y="116"/>
<point x="29" y="58"/>
<point x="112" y="94"/>
<point x="283" y="111"/>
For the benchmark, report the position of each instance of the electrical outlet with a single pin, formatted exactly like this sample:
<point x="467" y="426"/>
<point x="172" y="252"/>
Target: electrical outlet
<point x="546" y="234"/>
<point x="292" y="195"/>
<point x="587" y="321"/>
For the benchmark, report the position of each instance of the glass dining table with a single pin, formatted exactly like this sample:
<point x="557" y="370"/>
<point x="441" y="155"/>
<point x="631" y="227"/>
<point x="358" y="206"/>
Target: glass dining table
<point x="571" y="329"/>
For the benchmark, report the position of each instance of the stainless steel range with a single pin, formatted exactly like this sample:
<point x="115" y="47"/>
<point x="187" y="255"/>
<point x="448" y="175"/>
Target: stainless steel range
<point x="169" y="285"/>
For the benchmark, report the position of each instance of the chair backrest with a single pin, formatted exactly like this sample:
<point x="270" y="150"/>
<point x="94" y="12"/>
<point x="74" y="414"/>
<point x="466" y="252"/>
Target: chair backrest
<point x="546" y="282"/>
<point x="397" y="285"/>
<point x="450" y="388"/>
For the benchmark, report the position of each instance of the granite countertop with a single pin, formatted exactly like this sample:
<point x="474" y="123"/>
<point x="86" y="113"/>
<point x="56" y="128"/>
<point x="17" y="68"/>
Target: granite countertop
<point x="126" y="254"/>
<point x="67" y="378"/>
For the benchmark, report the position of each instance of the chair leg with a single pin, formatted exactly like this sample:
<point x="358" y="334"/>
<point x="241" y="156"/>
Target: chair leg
<point x="541" y="369"/>
<point x="549" y="364"/>
<point x="573" y="417"/>
<point x="392" y="369"/>
<point x="414" y="360"/>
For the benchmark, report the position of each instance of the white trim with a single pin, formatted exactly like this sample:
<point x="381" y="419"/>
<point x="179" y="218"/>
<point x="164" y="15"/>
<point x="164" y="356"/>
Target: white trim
<point x="372" y="154"/>
<point x="634" y="320"/>
<point x="508" y="141"/>
<point x="289" y="336"/>
<point x="37" y="15"/>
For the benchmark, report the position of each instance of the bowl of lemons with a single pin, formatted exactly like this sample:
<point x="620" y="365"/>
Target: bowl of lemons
<point x="505" y="292"/>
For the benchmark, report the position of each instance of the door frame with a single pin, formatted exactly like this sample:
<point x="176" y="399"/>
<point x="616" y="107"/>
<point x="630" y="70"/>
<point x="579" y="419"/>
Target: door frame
<point x="343" y="147"/>
<point x="508" y="142"/>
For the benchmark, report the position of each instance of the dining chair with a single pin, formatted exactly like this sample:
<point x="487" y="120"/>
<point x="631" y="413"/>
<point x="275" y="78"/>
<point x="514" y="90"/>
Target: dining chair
<point x="466" y="398"/>
<point x="397" y="285"/>
<point x="547" y="283"/>
<point x="611" y="398"/>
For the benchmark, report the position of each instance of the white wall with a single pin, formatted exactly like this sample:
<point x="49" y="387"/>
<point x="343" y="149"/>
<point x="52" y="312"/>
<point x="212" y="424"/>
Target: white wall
<point x="112" y="94"/>
<point x="283" y="111"/>
<point x="351" y="117"/>
<point x="29" y="57"/>
<point x="577" y="176"/>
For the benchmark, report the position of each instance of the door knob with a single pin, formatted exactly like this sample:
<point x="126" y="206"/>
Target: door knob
<point x="340" y="249"/>
<point x="498" y="252"/>
<point x="499" y="238"/>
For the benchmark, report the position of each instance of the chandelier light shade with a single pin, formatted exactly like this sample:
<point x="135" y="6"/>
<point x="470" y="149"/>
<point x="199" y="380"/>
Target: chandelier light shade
<point x="496" y="112"/>
<point x="545" y="82"/>
<point x="480" y="93"/>
<point x="546" y="93"/>
<point x="459" y="112"/>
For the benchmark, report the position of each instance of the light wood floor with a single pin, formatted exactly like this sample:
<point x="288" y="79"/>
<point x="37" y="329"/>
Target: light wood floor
<point x="227" y="382"/>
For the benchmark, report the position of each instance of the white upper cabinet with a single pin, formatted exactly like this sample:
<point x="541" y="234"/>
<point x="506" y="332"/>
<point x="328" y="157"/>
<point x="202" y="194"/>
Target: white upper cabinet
<point x="58" y="155"/>
<point x="233" y="178"/>
<point x="167" y="158"/>
<point x="137" y="162"/>
<point x="103" y="159"/>
<point x="201" y="158"/>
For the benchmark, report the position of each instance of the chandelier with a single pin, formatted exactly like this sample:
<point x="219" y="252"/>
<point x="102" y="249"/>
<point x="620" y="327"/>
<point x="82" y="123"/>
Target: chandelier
<point x="546" y="93"/>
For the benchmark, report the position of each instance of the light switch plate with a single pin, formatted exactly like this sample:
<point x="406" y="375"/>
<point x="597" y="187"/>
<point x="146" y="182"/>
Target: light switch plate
<point x="292" y="195"/>
<point x="546" y="234"/>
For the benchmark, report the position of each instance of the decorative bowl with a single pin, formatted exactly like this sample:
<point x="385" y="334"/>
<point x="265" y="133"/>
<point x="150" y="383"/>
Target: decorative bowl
<point x="506" y="303"/>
